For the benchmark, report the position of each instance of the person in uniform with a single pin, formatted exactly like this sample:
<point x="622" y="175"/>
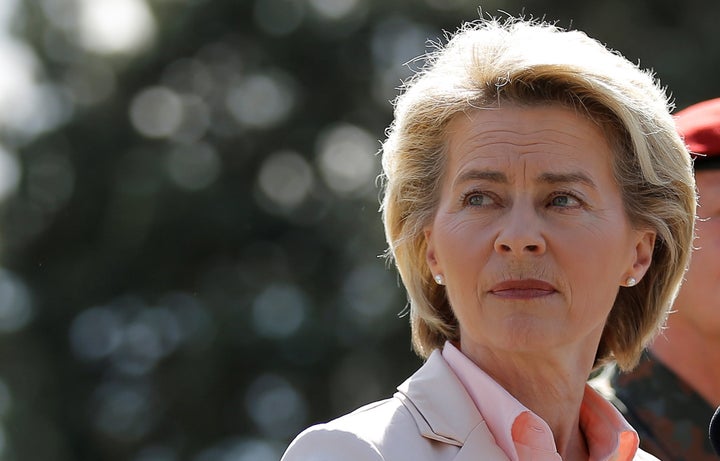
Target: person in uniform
<point x="672" y="394"/>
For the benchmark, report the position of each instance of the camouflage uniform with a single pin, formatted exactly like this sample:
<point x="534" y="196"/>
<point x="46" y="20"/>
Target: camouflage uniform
<point x="670" y="417"/>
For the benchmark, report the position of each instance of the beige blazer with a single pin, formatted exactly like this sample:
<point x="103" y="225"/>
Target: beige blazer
<point x="430" y="418"/>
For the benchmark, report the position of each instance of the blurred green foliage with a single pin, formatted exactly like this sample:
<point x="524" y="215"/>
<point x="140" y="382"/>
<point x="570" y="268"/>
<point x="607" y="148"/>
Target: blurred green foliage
<point x="191" y="244"/>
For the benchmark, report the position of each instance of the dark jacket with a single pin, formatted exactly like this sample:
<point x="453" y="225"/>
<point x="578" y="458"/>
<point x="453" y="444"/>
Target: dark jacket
<point x="670" y="417"/>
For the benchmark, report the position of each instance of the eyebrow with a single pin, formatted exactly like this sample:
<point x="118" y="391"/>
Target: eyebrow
<point x="481" y="175"/>
<point x="548" y="178"/>
<point x="567" y="178"/>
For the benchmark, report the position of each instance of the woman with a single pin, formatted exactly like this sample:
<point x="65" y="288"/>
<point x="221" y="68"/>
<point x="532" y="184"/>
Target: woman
<point x="539" y="206"/>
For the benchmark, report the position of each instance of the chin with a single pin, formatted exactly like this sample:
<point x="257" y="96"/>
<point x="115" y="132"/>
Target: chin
<point x="527" y="340"/>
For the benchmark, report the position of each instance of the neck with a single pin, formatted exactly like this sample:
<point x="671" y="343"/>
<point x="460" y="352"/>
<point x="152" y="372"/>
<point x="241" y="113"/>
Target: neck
<point x="552" y="387"/>
<point x="692" y="355"/>
<point x="557" y="402"/>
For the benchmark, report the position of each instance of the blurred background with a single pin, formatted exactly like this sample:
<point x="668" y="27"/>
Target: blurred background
<point x="190" y="244"/>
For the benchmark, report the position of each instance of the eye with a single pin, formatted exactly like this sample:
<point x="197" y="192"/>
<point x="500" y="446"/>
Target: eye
<point x="478" y="199"/>
<point x="564" y="200"/>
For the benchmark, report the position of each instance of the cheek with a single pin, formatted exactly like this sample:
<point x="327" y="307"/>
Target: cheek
<point x="462" y="253"/>
<point x="460" y="239"/>
<point x="592" y="268"/>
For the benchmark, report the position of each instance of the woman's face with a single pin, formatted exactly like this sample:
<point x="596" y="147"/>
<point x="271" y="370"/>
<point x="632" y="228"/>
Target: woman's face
<point x="530" y="234"/>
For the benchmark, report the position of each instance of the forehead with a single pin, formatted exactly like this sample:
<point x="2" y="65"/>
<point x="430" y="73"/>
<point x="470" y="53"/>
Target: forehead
<point x="549" y="135"/>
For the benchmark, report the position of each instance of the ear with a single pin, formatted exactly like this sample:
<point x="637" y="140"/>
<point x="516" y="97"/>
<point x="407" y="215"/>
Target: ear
<point x="643" y="252"/>
<point x="430" y="252"/>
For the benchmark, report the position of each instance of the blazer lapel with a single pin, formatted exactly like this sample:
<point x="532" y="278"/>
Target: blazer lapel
<point x="480" y="445"/>
<point x="444" y="411"/>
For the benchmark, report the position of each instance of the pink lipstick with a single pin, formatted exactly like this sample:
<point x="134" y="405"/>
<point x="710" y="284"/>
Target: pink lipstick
<point x="522" y="289"/>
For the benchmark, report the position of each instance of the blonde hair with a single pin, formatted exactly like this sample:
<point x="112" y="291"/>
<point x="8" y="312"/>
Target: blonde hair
<point x="488" y="63"/>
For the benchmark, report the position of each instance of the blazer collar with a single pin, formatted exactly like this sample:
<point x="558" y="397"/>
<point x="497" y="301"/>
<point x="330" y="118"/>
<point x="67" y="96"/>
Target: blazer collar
<point x="438" y="401"/>
<point x="444" y="411"/>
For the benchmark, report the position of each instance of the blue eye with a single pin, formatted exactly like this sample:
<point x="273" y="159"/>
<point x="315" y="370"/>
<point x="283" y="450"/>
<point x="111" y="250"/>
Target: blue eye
<point x="478" y="199"/>
<point x="564" y="200"/>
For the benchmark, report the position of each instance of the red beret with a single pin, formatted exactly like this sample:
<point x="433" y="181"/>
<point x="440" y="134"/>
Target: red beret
<point x="699" y="124"/>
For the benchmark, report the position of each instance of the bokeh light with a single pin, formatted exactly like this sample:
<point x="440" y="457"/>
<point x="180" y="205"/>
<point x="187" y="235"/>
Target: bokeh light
<point x="133" y="337"/>
<point x="193" y="166"/>
<point x="8" y="11"/>
<point x="156" y="112"/>
<point x="346" y="157"/>
<point x="195" y="119"/>
<point x="368" y="295"/>
<point x="115" y="26"/>
<point x="96" y="333"/>
<point x="286" y="179"/>
<point x="123" y="410"/>
<point x="17" y="82"/>
<point x="335" y="10"/>
<point x="16" y="308"/>
<point x="262" y="100"/>
<point x="36" y="105"/>
<point x="279" y="311"/>
<point x="275" y="406"/>
<point x="147" y="337"/>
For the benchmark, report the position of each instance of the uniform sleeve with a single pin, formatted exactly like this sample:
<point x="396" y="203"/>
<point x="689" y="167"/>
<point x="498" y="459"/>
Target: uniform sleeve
<point x="320" y="443"/>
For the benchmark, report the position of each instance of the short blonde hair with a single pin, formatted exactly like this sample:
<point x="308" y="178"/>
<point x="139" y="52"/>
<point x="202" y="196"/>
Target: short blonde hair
<point x="490" y="62"/>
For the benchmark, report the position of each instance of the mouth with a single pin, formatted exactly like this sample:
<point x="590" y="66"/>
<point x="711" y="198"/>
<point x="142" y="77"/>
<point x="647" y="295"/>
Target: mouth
<point x="523" y="289"/>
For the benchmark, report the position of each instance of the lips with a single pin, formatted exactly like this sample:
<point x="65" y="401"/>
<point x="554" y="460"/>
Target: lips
<point x="523" y="289"/>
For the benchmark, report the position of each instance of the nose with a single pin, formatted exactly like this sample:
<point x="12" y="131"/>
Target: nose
<point x="521" y="233"/>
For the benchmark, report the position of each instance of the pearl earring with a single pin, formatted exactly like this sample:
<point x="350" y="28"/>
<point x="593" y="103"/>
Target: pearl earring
<point x="630" y="282"/>
<point x="439" y="279"/>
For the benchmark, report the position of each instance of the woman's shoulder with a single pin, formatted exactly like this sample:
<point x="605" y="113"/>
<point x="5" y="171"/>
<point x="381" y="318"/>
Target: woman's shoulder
<point x="324" y="442"/>
<point x="366" y="434"/>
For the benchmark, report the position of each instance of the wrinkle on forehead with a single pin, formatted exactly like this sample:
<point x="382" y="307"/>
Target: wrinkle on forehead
<point x="492" y="123"/>
<point x="494" y="134"/>
<point x="485" y="135"/>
